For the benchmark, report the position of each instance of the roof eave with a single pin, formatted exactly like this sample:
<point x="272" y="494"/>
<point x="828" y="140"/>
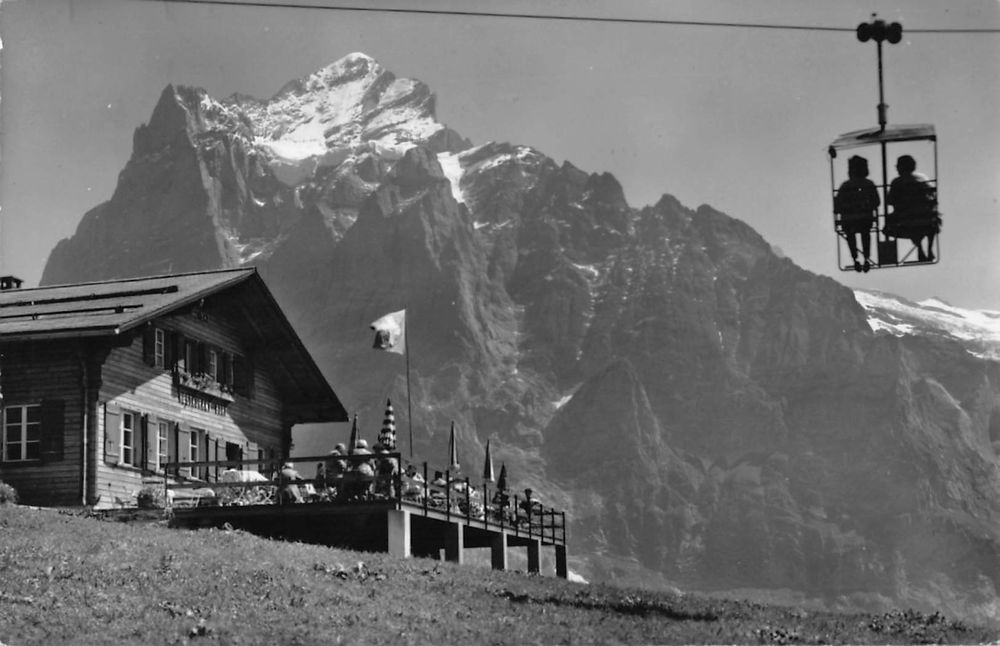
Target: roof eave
<point x="16" y="337"/>
<point x="328" y="398"/>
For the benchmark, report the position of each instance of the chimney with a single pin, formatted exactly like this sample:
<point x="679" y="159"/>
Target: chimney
<point x="10" y="282"/>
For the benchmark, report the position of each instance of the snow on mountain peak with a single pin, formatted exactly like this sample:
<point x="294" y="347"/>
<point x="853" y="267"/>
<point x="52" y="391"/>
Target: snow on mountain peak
<point x="451" y="166"/>
<point x="347" y="108"/>
<point x="350" y="64"/>
<point x="978" y="330"/>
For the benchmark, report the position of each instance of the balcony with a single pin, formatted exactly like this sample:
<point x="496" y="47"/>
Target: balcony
<point x="365" y="502"/>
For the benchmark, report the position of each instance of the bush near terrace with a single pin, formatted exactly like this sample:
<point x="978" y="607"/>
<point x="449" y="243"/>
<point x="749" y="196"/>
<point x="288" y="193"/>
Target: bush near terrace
<point x="70" y="578"/>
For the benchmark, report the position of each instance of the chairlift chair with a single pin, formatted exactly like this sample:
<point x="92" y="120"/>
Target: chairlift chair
<point x="893" y="231"/>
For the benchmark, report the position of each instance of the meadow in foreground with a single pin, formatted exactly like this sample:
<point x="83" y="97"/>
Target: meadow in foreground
<point x="67" y="578"/>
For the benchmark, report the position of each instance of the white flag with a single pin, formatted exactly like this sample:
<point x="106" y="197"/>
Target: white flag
<point x="390" y="332"/>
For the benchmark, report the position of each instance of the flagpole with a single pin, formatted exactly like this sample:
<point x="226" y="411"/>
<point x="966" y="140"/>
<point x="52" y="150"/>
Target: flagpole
<point x="409" y="406"/>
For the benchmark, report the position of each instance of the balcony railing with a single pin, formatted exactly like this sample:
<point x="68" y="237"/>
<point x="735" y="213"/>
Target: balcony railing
<point x="362" y="479"/>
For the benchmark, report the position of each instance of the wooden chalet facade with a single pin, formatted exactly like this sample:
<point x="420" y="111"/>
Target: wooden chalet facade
<point x="103" y="383"/>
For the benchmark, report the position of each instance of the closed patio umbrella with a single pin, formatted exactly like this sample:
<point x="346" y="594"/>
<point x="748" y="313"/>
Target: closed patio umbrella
<point x="453" y="451"/>
<point x="352" y="444"/>
<point x="488" y="465"/>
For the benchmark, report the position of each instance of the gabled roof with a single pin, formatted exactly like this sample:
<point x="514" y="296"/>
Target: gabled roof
<point x="109" y="307"/>
<point x="115" y="307"/>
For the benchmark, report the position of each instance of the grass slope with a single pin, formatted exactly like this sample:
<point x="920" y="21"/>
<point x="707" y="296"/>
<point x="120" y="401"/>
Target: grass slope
<point x="66" y="578"/>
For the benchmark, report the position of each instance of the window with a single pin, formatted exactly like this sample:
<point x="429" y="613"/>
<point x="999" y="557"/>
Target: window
<point x="22" y="433"/>
<point x="190" y="356"/>
<point x="128" y="444"/>
<point x="196" y="436"/>
<point x="159" y="348"/>
<point x="227" y="373"/>
<point x="155" y="349"/>
<point x="162" y="444"/>
<point x="234" y="455"/>
<point x="213" y="365"/>
<point x="194" y="446"/>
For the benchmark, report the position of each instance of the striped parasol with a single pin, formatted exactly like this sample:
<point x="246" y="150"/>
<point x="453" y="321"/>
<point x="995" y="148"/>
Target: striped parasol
<point x="488" y="465"/>
<point x="387" y="436"/>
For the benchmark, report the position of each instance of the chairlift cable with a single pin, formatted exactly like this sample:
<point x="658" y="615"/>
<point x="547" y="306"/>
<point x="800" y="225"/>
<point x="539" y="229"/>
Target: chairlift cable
<point x="560" y="17"/>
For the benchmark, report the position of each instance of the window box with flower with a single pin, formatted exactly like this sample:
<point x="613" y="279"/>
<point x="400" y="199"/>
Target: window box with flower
<point x="202" y="384"/>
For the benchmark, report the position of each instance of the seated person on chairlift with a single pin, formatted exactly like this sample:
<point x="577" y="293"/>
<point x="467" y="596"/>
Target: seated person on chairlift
<point x="914" y="208"/>
<point x="856" y="202"/>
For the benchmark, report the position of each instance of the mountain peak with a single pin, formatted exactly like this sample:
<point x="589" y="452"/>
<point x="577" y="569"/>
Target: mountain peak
<point x="350" y="107"/>
<point x="353" y="67"/>
<point x="350" y="65"/>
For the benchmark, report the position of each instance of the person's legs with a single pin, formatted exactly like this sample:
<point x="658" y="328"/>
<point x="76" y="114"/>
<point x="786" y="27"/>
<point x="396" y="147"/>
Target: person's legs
<point x="852" y="246"/>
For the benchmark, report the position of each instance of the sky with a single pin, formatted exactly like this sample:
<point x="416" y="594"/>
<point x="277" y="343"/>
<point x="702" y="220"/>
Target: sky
<point x="737" y="118"/>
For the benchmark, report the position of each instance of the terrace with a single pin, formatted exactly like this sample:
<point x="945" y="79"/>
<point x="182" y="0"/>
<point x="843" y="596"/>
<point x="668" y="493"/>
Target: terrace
<point x="401" y="511"/>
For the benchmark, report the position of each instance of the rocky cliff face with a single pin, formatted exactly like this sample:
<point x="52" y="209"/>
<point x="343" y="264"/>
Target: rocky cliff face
<point x="707" y="410"/>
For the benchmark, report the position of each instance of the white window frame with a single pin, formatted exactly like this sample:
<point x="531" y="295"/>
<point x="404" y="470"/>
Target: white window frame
<point x="128" y="436"/>
<point x="159" y="347"/>
<point x="194" y="449"/>
<point x="22" y="427"/>
<point x="162" y="444"/>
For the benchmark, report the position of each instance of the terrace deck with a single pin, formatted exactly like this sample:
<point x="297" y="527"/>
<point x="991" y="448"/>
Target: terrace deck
<point x="434" y="522"/>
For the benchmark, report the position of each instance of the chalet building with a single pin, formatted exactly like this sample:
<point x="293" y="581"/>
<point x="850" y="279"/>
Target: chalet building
<point x="104" y="383"/>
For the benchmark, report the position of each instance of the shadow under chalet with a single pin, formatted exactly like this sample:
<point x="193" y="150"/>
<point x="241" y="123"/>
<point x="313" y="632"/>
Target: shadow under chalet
<point x="187" y="387"/>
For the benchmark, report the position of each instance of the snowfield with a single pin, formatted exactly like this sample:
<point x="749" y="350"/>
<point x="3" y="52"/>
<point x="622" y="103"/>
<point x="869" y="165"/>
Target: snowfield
<point x="979" y="330"/>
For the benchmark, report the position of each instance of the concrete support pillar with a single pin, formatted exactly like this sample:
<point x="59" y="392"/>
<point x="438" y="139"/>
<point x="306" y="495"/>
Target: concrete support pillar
<point x="561" y="571"/>
<point x="534" y="555"/>
<point x="399" y="532"/>
<point x="498" y="551"/>
<point x="454" y="543"/>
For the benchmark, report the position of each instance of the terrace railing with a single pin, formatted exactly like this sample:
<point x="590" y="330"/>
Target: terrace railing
<point x="362" y="479"/>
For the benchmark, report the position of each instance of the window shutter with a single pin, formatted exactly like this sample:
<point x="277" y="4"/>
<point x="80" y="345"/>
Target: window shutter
<point x="53" y="420"/>
<point x="224" y="362"/>
<point x="201" y="358"/>
<point x="180" y="356"/>
<point x="148" y="342"/>
<point x="215" y="456"/>
<point x="112" y="433"/>
<point x="252" y="453"/>
<point x="152" y="441"/>
<point x="206" y="456"/>
<point x="139" y="440"/>
<point x="169" y="350"/>
<point x="184" y="448"/>
<point x="240" y="383"/>
<point x="172" y="442"/>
